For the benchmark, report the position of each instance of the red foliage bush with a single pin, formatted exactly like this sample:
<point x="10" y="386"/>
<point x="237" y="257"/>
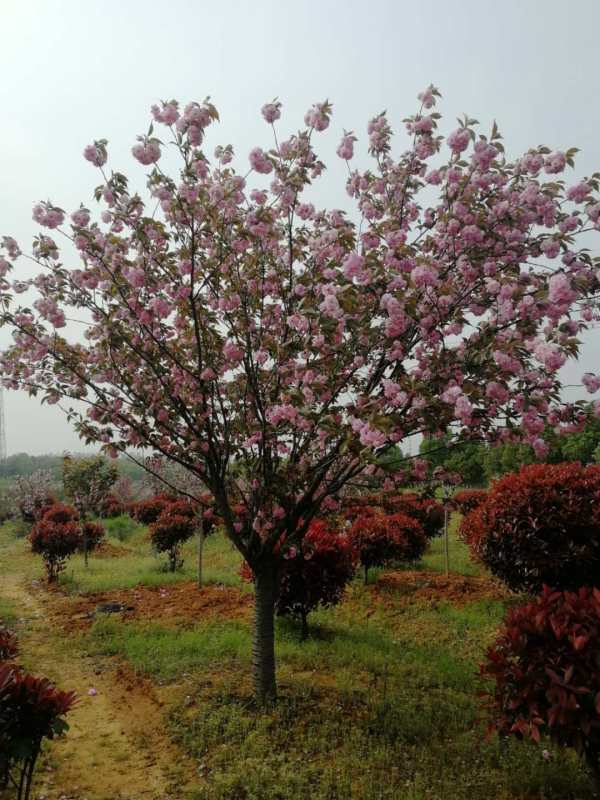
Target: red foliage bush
<point x="55" y="542"/>
<point x="381" y="539"/>
<point x="315" y="573"/>
<point x="31" y="709"/>
<point x="468" y="500"/>
<point x="59" y="514"/>
<point x="540" y="526"/>
<point x="547" y="672"/>
<point x="111" y="507"/>
<point x="92" y="535"/>
<point x="425" y="510"/>
<point x="8" y="644"/>
<point x="149" y="510"/>
<point x="169" y="532"/>
<point x="181" y="508"/>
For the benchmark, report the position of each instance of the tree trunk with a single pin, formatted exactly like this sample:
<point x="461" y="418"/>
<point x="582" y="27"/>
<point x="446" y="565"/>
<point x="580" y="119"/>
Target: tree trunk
<point x="201" y="538"/>
<point x="263" y="649"/>
<point x="303" y="616"/>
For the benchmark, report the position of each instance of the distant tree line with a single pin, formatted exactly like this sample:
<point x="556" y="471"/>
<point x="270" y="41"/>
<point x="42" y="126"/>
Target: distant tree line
<point x="23" y="464"/>
<point x="479" y="463"/>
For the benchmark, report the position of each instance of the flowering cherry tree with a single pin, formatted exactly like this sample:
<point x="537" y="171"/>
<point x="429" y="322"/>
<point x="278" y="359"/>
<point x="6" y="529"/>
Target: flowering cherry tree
<point x="30" y="494"/>
<point x="276" y="349"/>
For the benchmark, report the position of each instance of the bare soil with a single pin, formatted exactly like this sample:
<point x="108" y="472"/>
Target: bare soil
<point x="170" y="605"/>
<point x="434" y="587"/>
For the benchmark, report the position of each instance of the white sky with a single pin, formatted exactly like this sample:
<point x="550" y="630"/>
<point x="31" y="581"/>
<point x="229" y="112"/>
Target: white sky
<point x="73" y="71"/>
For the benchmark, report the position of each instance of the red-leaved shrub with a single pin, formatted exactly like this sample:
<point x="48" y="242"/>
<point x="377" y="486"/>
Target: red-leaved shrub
<point x="314" y="573"/>
<point x="546" y="669"/>
<point x="110" y="506"/>
<point x="169" y="532"/>
<point x="8" y="644"/>
<point x="59" y="514"/>
<point x="92" y="535"/>
<point x="383" y="539"/>
<point x="425" y="510"/>
<point x="540" y="526"/>
<point x="55" y="542"/>
<point x="31" y="710"/>
<point x="468" y="500"/>
<point x="149" y="510"/>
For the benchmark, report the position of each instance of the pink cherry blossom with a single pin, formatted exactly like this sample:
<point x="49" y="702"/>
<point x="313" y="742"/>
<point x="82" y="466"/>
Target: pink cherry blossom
<point x="259" y="161"/>
<point x="147" y="152"/>
<point x="555" y="163"/>
<point x="459" y="140"/>
<point x="346" y="147"/>
<point x="271" y="111"/>
<point x="95" y="153"/>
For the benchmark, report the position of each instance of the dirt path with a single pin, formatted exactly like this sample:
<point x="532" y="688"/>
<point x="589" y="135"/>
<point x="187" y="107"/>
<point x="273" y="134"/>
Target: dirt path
<point x="116" y="748"/>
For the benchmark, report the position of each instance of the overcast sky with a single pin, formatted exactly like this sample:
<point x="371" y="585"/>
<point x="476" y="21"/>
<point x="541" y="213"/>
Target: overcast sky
<point x="74" y="71"/>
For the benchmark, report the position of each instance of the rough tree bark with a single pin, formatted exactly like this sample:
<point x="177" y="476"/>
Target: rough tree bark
<point x="263" y="649"/>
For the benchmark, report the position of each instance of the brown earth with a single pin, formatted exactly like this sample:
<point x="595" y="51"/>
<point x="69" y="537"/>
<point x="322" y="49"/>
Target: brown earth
<point x="108" y="550"/>
<point x="435" y="587"/>
<point x="170" y="605"/>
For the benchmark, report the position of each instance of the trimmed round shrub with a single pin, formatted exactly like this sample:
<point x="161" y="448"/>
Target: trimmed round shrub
<point x="111" y="507"/>
<point x="168" y="533"/>
<point x="92" y="536"/>
<point x="381" y="540"/>
<point x="55" y="542"/>
<point x="354" y="506"/>
<point x="149" y="510"/>
<point x="181" y="508"/>
<point x="546" y="671"/>
<point x="468" y="500"/>
<point x="313" y="573"/>
<point x="540" y="526"/>
<point x="425" y="510"/>
<point x="60" y="513"/>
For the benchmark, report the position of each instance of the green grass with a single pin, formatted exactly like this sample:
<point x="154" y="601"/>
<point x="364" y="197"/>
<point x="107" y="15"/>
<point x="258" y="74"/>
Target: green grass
<point x="139" y="565"/>
<point x="459" y="559"/>
<point x="8" y="612"/>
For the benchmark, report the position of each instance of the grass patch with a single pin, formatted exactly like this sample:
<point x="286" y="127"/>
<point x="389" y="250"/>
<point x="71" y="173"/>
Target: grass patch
<point x="168" y="654"/>
<point x="139" y="565"/>
<point x="460" y="560"/>
<point x="328" y="745"/>
<point x="8" y="613"/>
<point x="122" y="528"/>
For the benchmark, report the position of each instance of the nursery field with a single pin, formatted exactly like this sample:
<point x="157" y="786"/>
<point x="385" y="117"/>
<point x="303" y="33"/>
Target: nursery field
<point x="379" y="702"/>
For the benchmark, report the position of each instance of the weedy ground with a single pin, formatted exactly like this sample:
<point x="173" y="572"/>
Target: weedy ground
<point x="380" y="703"/>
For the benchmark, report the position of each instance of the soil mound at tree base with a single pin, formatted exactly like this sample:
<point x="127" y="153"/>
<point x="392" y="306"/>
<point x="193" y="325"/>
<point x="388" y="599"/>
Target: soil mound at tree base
<point x="435" y="587"/>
